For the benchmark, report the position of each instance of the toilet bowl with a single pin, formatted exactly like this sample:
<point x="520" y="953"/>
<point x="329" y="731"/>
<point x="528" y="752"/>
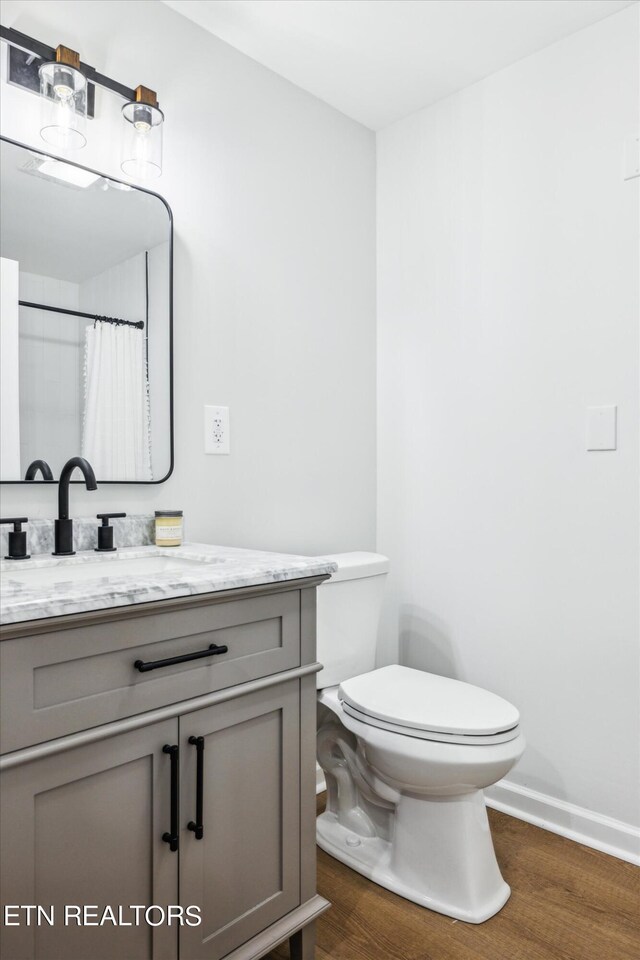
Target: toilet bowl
<point x="406" y="755"/>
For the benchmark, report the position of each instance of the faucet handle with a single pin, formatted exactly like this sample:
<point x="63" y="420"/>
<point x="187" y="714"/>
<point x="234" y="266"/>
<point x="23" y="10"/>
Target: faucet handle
<point x="17" y="539"/>
<point x="105" y="532"/>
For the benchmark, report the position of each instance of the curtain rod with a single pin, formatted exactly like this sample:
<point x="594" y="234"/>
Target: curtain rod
<point x="139" y="325"/>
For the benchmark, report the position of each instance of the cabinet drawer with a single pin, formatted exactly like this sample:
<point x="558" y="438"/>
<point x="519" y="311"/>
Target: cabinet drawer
<point x="68" y="680"/>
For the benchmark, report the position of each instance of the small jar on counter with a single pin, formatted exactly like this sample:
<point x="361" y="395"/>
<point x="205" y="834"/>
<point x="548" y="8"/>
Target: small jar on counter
<point x="168" y="528"/>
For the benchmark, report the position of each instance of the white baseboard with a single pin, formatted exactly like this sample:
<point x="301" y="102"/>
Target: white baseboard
<point x="610" y="836"/>
<point x="595" y="830"/>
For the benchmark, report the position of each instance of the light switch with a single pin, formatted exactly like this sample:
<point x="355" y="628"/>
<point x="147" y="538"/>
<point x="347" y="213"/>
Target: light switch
<point x="601" y="428"/>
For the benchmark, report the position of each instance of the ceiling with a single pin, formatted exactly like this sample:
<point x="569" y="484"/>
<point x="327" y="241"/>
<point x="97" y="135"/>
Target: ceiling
<point x="380" y="60"/>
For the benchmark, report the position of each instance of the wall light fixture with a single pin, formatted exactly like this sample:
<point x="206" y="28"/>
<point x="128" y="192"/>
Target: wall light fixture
<point x="67" y="87"/>
<point x="63" y="89"/>
<point x="142" y="139"/>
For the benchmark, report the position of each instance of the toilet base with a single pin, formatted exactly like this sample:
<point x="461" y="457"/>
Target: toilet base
<point x="461" y="881"/>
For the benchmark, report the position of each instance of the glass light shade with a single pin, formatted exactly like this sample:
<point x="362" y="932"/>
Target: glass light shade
<point x="64" y="106"/>
<point x="142" y="141"/>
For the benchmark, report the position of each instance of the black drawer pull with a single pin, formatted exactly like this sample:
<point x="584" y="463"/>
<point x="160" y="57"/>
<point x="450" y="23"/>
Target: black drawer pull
<point x="211" y="651"/>
<point x="172" y="837"/>
<point x="196" y="825"/>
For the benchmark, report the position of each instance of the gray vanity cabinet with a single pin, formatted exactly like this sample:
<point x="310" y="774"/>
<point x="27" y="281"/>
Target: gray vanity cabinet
<point x="89" y="795"/>
<point x="84" y="827"/>
<point x="244" y="872"/>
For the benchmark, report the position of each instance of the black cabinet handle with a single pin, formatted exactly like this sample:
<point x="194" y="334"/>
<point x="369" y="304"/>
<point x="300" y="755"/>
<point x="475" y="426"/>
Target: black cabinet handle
<point x="211" y="651"/>
<point x="197" y="826"/>
<point x="172" y="837"/>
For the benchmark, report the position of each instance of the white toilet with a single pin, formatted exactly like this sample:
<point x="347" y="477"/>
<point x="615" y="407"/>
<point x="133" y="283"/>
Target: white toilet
<point x="406" y="755"/>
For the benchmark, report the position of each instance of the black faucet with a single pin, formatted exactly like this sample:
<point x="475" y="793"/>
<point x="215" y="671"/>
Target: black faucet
<point x="40" y="465"/>
<point x="64" y="524"/>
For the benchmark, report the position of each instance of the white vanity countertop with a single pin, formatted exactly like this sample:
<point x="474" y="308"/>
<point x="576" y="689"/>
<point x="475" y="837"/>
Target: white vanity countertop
<point x="213" y="568"/>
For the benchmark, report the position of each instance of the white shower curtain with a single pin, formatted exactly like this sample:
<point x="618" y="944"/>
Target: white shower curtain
<point x="116" y="437"/>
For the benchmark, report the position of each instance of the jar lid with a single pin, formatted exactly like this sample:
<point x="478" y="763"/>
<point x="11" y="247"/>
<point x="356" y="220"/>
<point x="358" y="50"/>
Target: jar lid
<point x="168" y="513"/>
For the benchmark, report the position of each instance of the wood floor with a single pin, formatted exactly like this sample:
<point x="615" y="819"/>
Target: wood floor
<point x="568" y="902"/>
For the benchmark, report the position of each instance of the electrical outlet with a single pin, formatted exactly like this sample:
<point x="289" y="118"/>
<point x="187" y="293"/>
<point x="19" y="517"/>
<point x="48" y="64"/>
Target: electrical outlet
<point x="216" y="430"/>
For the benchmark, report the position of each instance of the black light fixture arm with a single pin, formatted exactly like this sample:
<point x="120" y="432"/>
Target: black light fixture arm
<point x="42" y="50"/>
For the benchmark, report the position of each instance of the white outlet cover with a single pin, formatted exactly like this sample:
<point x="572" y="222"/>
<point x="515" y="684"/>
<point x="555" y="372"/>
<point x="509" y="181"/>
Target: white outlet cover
<point x="216" y="430"/>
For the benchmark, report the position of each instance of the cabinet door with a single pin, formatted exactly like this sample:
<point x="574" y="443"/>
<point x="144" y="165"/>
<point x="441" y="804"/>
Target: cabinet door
<point x="244" y="872"/>
<point x="85" y="827"/>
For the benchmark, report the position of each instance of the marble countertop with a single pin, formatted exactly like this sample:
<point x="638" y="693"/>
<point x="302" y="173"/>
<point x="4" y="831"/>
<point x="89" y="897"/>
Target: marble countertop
<point x="222" y="568"/>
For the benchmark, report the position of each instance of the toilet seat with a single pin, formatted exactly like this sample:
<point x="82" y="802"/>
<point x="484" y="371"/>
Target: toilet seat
<point x="417" y="704"/>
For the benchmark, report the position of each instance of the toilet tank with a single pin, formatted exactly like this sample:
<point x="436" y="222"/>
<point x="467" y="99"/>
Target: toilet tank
<point x="349" y="607"/>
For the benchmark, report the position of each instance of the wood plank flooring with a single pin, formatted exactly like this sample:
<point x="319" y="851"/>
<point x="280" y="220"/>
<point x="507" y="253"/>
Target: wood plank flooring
<point x="568" y="902"/>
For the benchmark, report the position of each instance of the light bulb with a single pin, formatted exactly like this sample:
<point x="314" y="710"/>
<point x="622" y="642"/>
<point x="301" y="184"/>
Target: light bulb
<point x="63" y="87"/>
<point x="141" y="148"/>
<point x="142" y="119"/>
<point x="64" y="105"/>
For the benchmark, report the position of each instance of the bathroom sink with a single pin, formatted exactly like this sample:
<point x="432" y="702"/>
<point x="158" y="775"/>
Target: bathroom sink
<point x="65" y="571"/>
<point x="45" y="586"/>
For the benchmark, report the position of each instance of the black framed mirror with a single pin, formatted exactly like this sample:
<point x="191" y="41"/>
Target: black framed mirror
<point x="86" y="321"/>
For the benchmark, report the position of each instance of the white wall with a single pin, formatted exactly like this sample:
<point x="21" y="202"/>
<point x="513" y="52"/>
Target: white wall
<point x="158" y="354"/>
<point x="51" y="373"/>
<point x="9" y="370"/>
<point x="118" y="291"/>
<point x="508" y="303"/>
<point x="273" y="197"/>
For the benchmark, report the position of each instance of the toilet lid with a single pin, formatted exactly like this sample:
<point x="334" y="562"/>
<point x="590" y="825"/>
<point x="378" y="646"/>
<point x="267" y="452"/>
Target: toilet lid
<point x="424" y="701"/>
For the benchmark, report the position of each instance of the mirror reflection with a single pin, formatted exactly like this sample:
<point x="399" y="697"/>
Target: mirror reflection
<point x="85" y="322"/>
